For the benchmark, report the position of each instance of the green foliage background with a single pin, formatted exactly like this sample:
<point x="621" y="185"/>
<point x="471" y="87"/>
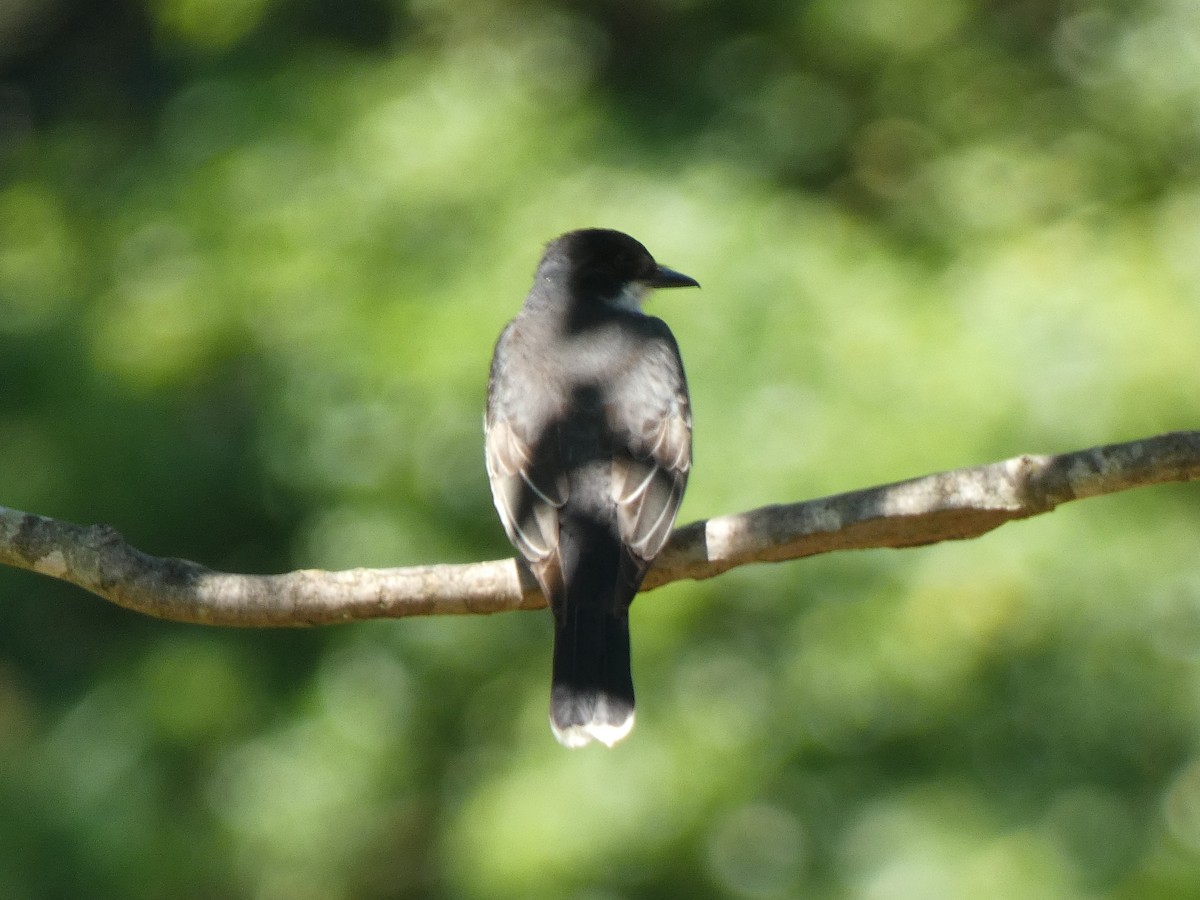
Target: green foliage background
<point x="253" y="256"/>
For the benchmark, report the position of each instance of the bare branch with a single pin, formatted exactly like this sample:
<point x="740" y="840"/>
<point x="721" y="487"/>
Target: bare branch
<point x="955" y="505"/>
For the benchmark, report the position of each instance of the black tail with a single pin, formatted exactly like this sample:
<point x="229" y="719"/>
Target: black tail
<point x="591" y="696"/>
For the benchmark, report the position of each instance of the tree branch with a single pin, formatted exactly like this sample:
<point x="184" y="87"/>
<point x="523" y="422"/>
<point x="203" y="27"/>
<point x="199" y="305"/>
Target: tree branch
<point x="955" y="505"/>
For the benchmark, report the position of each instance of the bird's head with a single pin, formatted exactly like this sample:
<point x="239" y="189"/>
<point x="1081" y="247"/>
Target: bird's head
<point x="606" y="266"/>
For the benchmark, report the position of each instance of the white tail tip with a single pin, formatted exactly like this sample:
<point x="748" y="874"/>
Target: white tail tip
<point x="596" y="730"/>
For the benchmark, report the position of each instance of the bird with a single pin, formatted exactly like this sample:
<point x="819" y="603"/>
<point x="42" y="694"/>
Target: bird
<point x="588" y="444"/>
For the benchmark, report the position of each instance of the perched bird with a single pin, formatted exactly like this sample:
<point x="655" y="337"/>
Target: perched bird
<point x="588" y="443"/>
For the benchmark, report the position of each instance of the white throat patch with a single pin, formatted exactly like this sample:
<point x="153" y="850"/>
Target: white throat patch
<point x="632" y="296"/>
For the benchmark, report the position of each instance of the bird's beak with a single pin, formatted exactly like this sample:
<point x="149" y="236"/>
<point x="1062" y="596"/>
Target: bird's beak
<point x="669" y="278"/>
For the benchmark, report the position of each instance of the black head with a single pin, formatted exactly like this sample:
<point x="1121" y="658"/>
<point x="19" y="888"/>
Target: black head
<point x="603" y="264"/>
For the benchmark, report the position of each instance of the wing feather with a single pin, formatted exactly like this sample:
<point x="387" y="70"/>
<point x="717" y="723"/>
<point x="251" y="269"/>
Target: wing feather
<point x="651" y="418"/>
<point x="526" y="497"/>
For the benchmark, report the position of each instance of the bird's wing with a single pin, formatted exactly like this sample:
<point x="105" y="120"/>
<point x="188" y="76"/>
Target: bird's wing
<point x="526" y="499"/>
<point x="528" y="486"/>
<point x="651" y="417"/>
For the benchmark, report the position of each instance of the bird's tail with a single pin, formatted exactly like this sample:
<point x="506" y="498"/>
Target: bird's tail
<point x="591" y="695"/>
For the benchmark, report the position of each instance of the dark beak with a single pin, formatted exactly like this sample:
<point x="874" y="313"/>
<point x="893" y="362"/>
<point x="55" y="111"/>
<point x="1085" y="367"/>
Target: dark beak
<point x="669" y="278"/>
